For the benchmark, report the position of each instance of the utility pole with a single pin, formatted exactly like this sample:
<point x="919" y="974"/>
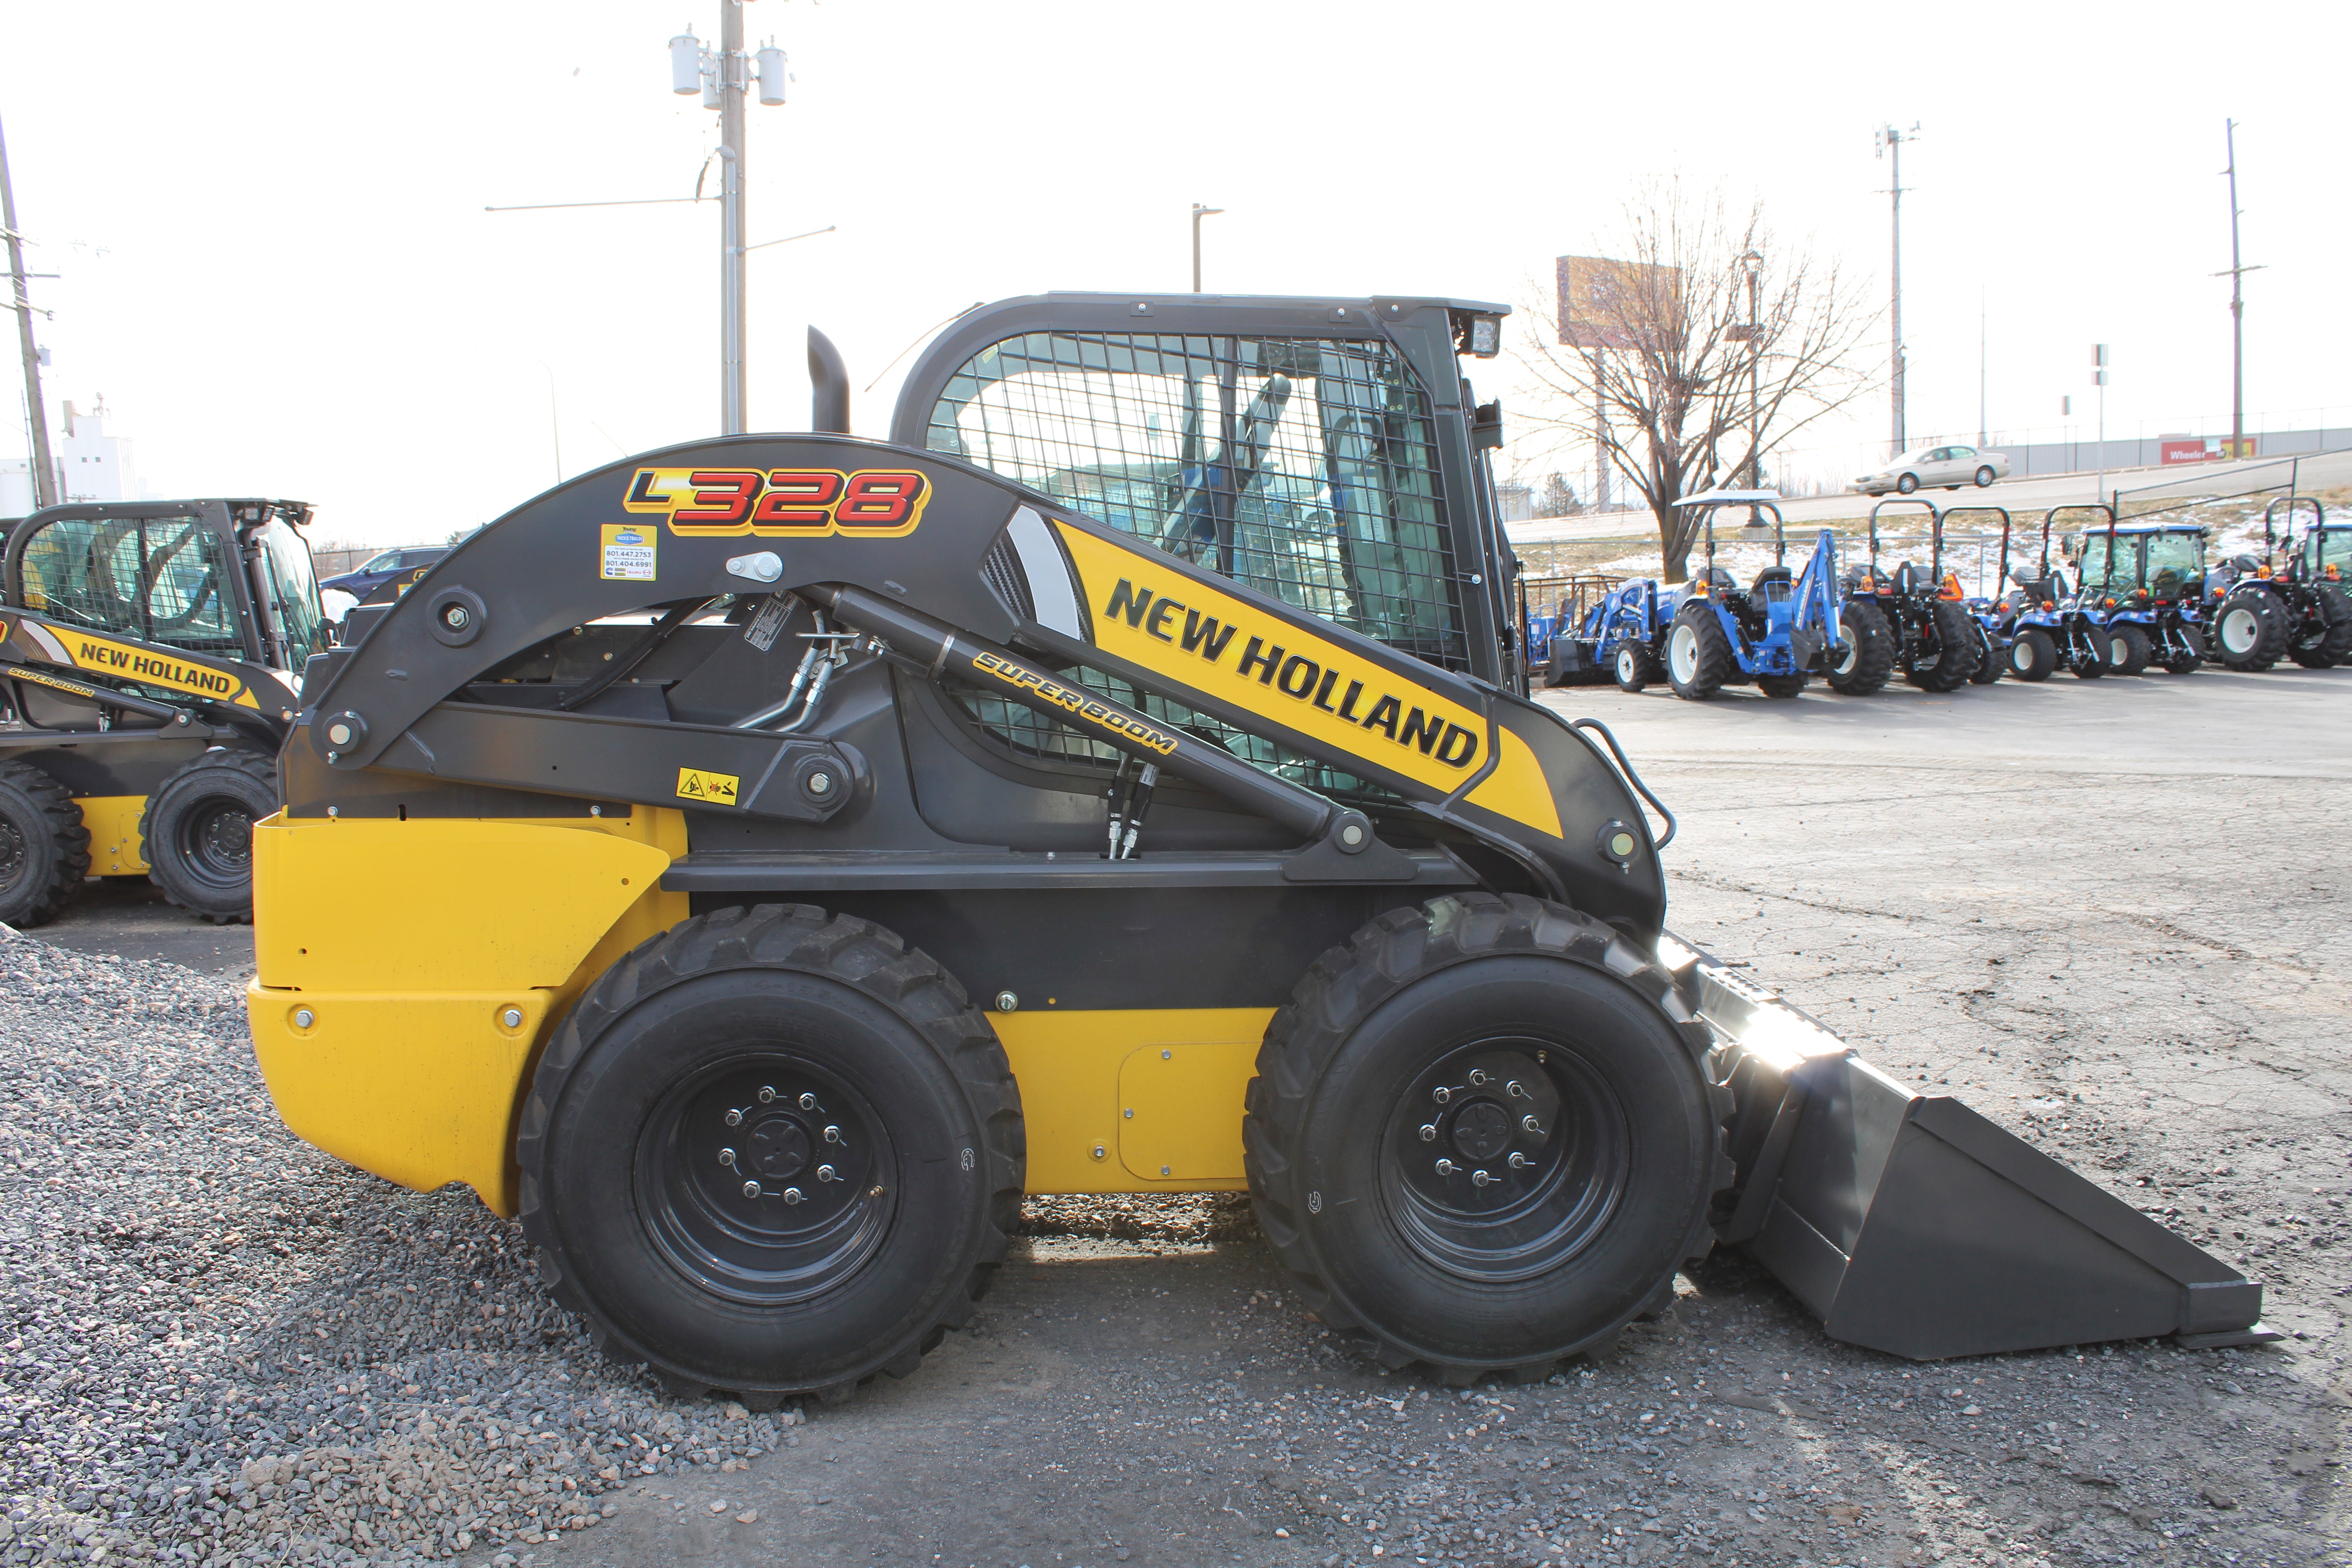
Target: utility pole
<point x="1890" y="142"/>
<point x="2236" y="276"/>
<point x="1982" y="440"/>
<point x="725" y="77"/>
<point x="45" y="477"/>
<point x="2099" y="375"/>
<point x="1199" y="211"/>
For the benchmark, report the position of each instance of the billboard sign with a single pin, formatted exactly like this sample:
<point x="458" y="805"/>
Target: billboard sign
<point x="1610" y="304"/>
<point x="2174" y="449"/>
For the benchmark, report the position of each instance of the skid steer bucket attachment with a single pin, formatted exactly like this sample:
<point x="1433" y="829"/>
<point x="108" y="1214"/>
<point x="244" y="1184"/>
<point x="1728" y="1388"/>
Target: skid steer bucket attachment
<point x="1912" y="1225"/>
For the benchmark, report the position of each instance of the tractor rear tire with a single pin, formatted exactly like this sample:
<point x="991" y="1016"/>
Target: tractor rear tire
<point x="2032" y="655"/>
<point x="197" y="831"/>
<point x="1632" y="666"/>
<point x="44" y="847"/>
<point x="1869" y="659"/>
<point x="2191" y="661"/>
<point x="2332" y="643"/>
<point x="1988" y="658"/>
<point x="2249" y="630"/>
<point x="1949" y="669"/>
<point x="1698" y="656"/>
<point x="1782" y="686"/>
<point x="674" y="1155"/>
<point x="1408" y="1066"/>
<point x="2129" y="649"/>
<point x="2090" y="661"/>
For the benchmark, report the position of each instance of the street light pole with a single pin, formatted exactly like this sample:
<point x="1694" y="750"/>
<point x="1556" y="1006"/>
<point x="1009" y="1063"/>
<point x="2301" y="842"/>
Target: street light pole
<point x="2237" y="272"/>
<point x="45" y="478"/>
<point x="725" y="77"/>
<point x="1890" y="142"/>
<point x="1199" y="211"/>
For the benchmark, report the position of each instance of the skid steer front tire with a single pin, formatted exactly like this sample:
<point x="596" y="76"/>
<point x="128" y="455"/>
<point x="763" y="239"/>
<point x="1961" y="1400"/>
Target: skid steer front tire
<point x="44" y="847"/>
<point x="198" y="831"/>
<point x="1411" y="1062"/>
<point x="772" y="1151"/>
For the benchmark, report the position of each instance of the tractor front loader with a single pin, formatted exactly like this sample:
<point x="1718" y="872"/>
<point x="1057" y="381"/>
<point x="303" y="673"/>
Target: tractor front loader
<point x="784" y="851"/>
<point x="147" y="660"/>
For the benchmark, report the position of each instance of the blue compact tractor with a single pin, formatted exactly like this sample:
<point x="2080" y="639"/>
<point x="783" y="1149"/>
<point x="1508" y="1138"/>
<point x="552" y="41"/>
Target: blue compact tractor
<point x="2291" y="603"/>
<point x="2049" y="626"/>
<point x="1777" y="632"/>
<point x="1993" y="652"/>
<point x="2146" y="582"/>
<point x="1563" y="616"/>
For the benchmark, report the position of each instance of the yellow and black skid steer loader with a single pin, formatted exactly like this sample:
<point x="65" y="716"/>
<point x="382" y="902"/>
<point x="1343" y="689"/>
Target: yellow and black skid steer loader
<point x="783" y="852"/>
<point x="149" y="654"/>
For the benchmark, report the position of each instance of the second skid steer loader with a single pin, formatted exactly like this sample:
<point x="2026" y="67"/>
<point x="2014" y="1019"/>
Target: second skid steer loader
<point x="783" y="852"/>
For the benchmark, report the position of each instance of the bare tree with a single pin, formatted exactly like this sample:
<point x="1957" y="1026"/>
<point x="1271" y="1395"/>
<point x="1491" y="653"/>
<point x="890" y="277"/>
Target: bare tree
<point x="1558" y="499"/>
<point x="1652" y="360"/>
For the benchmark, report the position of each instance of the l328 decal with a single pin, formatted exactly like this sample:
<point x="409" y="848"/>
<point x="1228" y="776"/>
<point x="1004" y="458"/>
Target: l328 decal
<point x="720" y="503"/>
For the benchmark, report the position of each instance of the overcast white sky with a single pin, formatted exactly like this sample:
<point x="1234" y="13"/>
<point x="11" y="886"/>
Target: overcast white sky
<point x="279" y="274"/>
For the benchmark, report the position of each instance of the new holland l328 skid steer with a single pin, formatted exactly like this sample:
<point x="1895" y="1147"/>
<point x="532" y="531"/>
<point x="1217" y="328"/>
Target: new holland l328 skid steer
<point x="758" y="863"/>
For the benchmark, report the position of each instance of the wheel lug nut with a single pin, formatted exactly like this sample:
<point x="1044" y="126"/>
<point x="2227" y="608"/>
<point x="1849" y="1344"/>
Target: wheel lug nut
<point x="1441" y="1094"/>
<point x="833" y="1134"/>
<point x="766" y="1094"/>
<point x="826" y="1174"/>
<point x="1515" y="1086"/>
<point x="727" y="1156"/>
<point x="1446" y="1167"/>
<point x="792" y="1195"/>
<point x="1429" y="1133"/>
<point x="808" y="1102"/>
<point x="734" y="1118"/>
<point x="1477" y="1075"/>
<point x="751" y="1189"/>
<point x="1520" y="1162"/>
<point x="1531" y="1124"/>
<point x="1480" y="1178"/>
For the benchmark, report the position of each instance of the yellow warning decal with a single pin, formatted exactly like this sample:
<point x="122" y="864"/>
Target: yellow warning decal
<point x="717" y="789"/>
<point x="152" y="667"/>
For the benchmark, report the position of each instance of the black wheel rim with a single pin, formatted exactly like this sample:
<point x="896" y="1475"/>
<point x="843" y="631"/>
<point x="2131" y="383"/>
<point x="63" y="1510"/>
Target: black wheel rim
<point x="216" y="841"/>
<point x="15" y="854"/>
<point x="766" y="1179"/>
<point x="1504" y="1159"/>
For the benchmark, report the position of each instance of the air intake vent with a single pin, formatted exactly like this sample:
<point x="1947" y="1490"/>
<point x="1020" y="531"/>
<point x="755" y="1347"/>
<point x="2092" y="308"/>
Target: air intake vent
<point x="1001" y="567"/>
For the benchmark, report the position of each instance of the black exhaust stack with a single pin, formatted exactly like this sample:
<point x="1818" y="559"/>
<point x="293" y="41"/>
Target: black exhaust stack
<point x="828" y="387"/>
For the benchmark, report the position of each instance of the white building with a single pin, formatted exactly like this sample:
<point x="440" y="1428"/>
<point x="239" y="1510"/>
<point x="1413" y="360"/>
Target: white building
<point x="91" y="465"/>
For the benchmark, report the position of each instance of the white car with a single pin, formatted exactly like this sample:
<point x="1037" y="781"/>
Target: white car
<point x="1926" y="467"/>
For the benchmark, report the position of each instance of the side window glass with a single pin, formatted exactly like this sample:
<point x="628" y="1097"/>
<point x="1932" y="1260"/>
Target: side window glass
<point x="1307" y="468"/>
<point x="161" y="580"/>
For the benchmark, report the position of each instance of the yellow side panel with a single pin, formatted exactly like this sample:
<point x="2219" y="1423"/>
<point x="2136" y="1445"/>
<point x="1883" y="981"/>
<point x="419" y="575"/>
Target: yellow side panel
<point x="436" y="905"/>
<point x="406" y="944"/>
<point x="1079" y="1073"/>
<point x="115" y="847"/>
<point x="1518" y="789"/>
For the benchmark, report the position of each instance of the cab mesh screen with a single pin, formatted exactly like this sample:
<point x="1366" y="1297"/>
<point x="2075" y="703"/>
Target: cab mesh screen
<point x="1303" y="467"/>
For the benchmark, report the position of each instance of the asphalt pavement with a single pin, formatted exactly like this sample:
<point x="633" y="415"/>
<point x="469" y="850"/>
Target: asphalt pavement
<point x="2109" y="915"/>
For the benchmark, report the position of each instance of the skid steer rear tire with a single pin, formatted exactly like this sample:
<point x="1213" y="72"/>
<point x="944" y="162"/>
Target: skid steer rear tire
<point x="850" y="1213"/>
<point x="1698" y="656"/>
<point x="1869" y="651"/>
<point x="44" y="847"/>
<point x="1471" y="995"/>
<point x="198" y="831"/>
<point x="2129" y="649"/>
<point x="2249" y="630"/>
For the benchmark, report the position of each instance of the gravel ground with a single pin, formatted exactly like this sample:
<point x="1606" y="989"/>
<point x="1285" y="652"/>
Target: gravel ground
<point x="221" y="1346"/>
